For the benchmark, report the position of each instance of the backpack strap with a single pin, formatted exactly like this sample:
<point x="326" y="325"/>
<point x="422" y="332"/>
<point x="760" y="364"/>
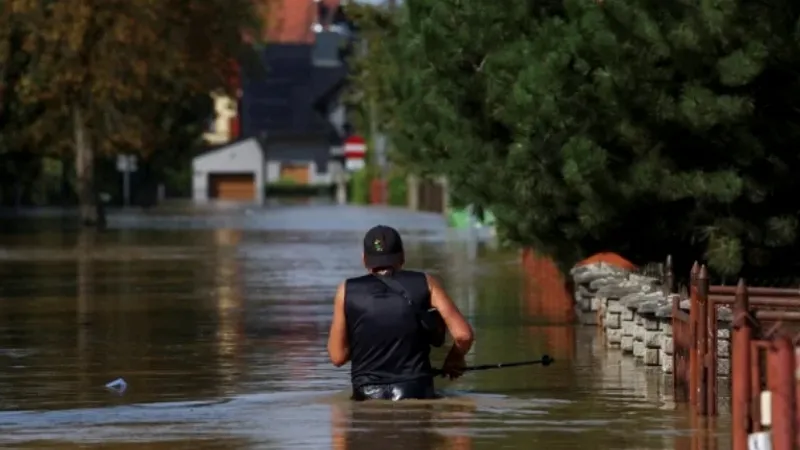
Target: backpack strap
<point x="428" y="317"/>
<point x="397" y="287"/>
<point x="413" y="286"/>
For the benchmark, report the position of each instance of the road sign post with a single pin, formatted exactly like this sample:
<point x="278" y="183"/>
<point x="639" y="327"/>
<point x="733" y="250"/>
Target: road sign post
<point x="126" y="164"/>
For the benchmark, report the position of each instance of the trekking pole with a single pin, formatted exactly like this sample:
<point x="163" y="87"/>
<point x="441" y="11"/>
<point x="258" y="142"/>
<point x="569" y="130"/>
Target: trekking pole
<point x="544" y="361"/>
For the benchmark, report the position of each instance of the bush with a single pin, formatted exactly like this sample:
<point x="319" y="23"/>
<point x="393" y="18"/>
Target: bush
<point x="358" y="187"/>
<point x="398" y="189"/>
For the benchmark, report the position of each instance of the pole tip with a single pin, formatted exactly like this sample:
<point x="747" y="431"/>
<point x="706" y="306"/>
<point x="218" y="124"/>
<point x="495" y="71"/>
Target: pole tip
<point x="740" y="302"/>
<point x="547" y="360"/>
<point x="703" y="274"/>
<point x="741" y="286"/>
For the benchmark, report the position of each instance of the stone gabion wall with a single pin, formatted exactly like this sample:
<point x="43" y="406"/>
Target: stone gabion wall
<point x="636" y="316"/>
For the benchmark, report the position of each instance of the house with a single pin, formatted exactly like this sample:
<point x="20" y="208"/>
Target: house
<point x="294" y="111"/>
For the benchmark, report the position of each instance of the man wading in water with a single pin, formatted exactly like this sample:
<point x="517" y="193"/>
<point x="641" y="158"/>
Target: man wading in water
<point x="385" y="322"/>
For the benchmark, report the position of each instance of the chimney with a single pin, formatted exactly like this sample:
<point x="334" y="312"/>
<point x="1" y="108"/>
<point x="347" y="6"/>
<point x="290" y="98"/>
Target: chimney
<point x="319" y="25"/>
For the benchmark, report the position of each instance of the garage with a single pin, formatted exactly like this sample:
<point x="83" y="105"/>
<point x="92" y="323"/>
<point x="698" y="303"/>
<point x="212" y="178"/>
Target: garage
<point x="232" y="186"/>
<point x="232" y="172"/>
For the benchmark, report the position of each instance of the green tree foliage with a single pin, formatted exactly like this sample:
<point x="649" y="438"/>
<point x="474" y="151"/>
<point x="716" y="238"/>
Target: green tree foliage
<point x="372" y="64"/>
<point x="640" y="127"/>
<point x="114" y="76"/>
<point x="19" y="161"/>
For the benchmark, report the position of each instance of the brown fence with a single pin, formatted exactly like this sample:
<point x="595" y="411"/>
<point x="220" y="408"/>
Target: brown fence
<point x="765" y="352"/>
<point x="762" y="354"/>
<point x="431" y="195"/>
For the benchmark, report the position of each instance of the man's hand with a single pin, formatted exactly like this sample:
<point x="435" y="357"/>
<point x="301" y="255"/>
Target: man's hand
<point x="454" y="364"/>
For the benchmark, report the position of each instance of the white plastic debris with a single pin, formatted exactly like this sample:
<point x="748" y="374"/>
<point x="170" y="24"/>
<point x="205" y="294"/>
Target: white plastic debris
<point x="117" y="386"/>
<point x="759" y="441"/>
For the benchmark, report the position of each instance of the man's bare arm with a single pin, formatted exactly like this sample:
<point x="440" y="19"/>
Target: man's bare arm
<point x="458" y="327"/>
<point x="338" y="347"/>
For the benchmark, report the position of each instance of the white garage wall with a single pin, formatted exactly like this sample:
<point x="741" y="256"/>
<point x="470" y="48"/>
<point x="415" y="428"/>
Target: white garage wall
<point x="241" y="157"/>
<point x="273" y="171"/>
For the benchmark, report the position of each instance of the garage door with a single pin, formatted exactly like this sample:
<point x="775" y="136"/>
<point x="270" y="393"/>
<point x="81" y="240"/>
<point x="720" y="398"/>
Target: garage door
<point x="295" y="173"/>
<point x="232" y="186"/>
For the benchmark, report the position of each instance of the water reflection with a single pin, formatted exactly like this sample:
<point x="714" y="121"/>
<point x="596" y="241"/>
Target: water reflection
<point x="130" y="318"/>
<point x="229" y="334"/>
<point x="417" y="425"/>
<point x="83" y="319"/>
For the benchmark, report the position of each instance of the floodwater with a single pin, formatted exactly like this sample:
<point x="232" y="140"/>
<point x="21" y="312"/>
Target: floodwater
<point x="217" y="320"/>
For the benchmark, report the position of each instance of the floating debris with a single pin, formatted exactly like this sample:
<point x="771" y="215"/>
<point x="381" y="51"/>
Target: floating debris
<point x="15" y="353"/>
<point x="118" y="386"/>
<point x="759" y="441"/>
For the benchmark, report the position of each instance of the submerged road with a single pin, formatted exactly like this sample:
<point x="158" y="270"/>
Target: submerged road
<point x="217" y="319"/>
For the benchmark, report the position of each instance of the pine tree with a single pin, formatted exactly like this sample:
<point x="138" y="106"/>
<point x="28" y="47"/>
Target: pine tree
<point x="698" y="103"/>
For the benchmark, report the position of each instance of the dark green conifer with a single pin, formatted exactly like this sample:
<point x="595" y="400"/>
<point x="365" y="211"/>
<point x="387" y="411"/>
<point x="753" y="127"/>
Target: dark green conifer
<point x="633" y="126"/>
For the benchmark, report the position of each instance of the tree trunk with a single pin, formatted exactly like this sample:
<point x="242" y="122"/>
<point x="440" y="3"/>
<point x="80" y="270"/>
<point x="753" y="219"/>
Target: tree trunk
<point x="84" y="172"/>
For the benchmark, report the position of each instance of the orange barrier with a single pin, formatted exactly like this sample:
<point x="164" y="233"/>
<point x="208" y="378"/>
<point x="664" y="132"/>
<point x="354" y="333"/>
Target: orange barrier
<point x="546" y="290"/>
<point x="611" y="259"/>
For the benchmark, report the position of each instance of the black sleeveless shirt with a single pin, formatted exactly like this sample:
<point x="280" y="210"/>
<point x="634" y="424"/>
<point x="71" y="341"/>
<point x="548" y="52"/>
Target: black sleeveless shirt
<point x="387" y="343"/>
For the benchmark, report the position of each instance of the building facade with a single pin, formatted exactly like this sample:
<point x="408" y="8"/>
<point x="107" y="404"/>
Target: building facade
<point x="293" y="109"/>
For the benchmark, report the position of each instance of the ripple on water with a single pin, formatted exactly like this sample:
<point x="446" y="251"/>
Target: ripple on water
<point x="170" y="420"/>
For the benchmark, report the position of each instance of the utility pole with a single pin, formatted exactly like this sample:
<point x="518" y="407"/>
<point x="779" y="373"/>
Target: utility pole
<point x="379" y="140"/>
<point x="379" y="144"/>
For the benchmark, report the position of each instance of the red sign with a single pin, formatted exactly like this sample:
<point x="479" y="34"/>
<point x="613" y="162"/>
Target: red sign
<point x="354" y="150"/>
<point x="355" y="147"/>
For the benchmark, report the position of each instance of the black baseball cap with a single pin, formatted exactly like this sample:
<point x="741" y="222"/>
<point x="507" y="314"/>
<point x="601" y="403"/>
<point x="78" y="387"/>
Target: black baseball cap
<point x="383" y="247"/>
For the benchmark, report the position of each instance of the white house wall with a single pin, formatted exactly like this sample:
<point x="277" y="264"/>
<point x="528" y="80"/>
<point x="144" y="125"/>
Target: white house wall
<point x="318" y="178"/>
<point x="241" y="157"/>
<point x="273" y="171"/>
